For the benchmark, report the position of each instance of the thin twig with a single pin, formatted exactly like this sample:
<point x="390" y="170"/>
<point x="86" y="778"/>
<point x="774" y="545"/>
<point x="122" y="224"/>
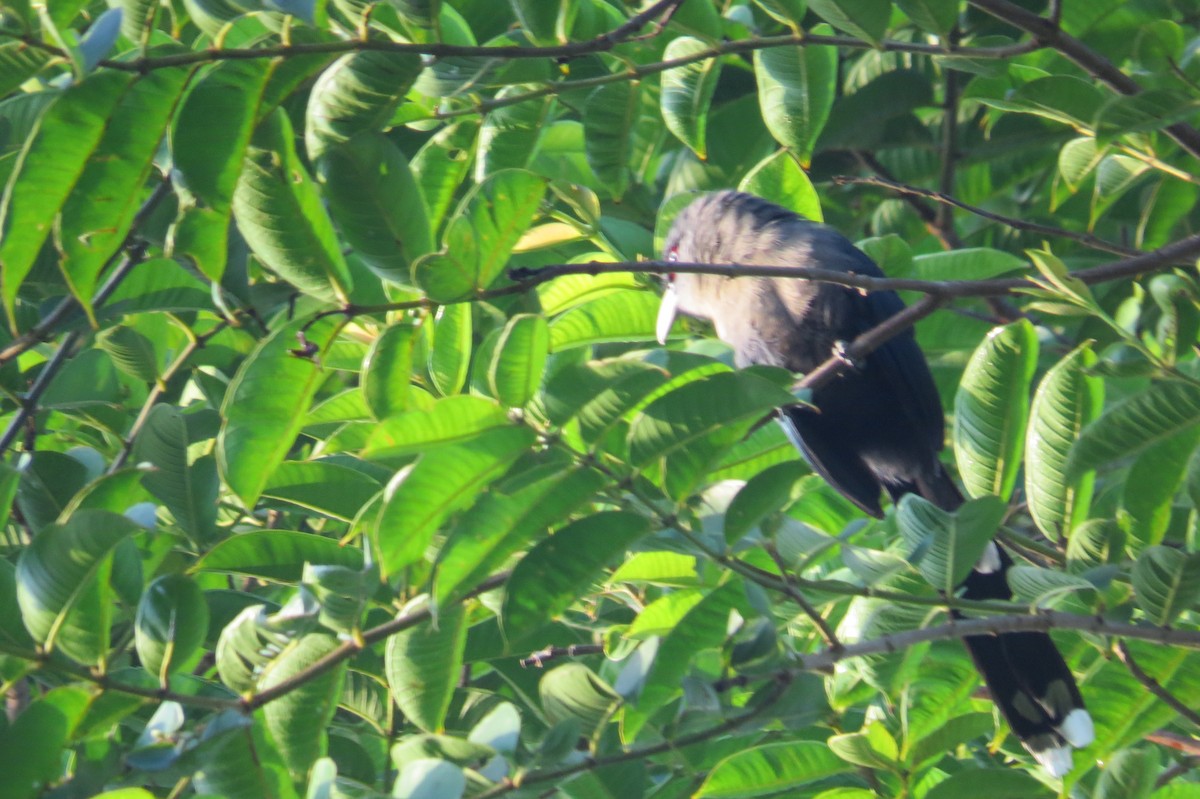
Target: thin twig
<point x="1164" y="257"/>
<point x="1154" y="686"/>
<point x="540" y="658"/>
<point x="30" y="401"/>
<point x="600" y="44"/>
<point x="1086" y="239"/>
<point x="641" y="753"/>
<point x="831" y="639"/>
<point x="131" y="256"/>
<point x="1047" y="33"/>
<point x="929" y="217"/>
<point x="160" y="386"/>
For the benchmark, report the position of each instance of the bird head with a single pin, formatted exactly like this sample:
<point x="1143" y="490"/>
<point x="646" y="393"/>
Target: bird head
<point x="724" y="227"/>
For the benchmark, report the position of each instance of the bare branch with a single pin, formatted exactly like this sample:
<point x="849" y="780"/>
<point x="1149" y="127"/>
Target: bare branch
<point x="1154" y="686"/>
<point x="1047" y="33"/>
<point x="1086" y="239"/>
<point x="1164" y="257"/>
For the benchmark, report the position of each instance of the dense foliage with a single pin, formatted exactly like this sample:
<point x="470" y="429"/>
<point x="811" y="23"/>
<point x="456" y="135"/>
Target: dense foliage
<point x="306" y="492"/>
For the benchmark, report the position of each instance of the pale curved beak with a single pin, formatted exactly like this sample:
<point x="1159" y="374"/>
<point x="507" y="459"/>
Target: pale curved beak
<point x="666" y="314"/>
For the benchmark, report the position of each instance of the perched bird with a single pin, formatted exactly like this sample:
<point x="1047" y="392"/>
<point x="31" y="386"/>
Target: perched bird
<point x="877" y="427"/>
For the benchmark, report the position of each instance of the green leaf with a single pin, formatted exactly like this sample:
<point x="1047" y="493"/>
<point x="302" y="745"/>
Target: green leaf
<point x="440" y="166"/>
<point x="420" y="18"/>
<point x="430" y="779"/>
<point x="971" y="263"/>
<point x="687" y="93"/>
<point x="501" y="523"/>
<point x="769" y="768"/>
<point x="450" y="354"/>
<point x="991" y="409"/>
<point x="873" y="747"/>
<point x="947" y="737"/>
<point x="1162" y="411"/>
<point x="948" y="545"/>
<point x="31" y="746"/>
<point x="265" y="406"/>
<point x="63" y="583"/>
<point x="989" y="783"/>
<point x="780" y="179"/>
<point x="328" y="488"/>
<point x="49" y="168"/>
<point x="450" y="420"/>
<point x="622" y="316"/>
<point x="1151" y="485"/>
<point x="1063" y="98"/>
<point x="573" y="691"/>
<point x="687" y="413"/>
<point x="130" y="351"/>
<point x="99" y="212"/>
<point x="277" y="554"/>
<point x="795" y="92"/>
<point x="1130" y="774"/>
<point x="18" y="63"/>
<point x="171" y="625"/>
<point x="388" y="370"/>
<point x="298" y="721"/>
<point x="866" y="19"/>
<point x="563" y="567"/>
<point x="1166" y="582"/>
<point x="510" y="135"/>
<point x="444" y="480"/>
<point x="377" y="205"/>
<point x="236" y="760"/>
<point x="479" y="238"/>
<point x="424" y="664"/>
<point x="1042" y="587"/>
<point x="281" y="216"/>
<point x="703" y="626"/>
<point x="935" y="16"/>
<point x="1066" y="401"/>
<point x="208" y="147"/>
<point x="789" y="12"/>
<point x="768" y="492"/>
<point x="357" y="93"/>
<point x="188" y="491"/>
<point x="520" y="358"/>
<point x="609" y="120"/>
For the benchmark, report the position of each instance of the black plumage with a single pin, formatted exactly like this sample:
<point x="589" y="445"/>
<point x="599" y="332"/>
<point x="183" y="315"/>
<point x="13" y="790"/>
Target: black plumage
<point x="878" y="427"/>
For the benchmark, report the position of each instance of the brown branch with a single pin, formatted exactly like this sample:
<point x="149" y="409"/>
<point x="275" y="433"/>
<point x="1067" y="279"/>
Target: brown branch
<point x="600" y="44"/>
<point x="29" y="402"/>
<point x="929" y="217"/>
<point x="133" y="255"/>
<point x="1171" y="740"/>
<point x="540" y="658"/>
<point x="641" y="753"/>
<point x="1163" y="257"/>
<point x="1153" y="685"/>
<point x="1086" y="239"/>
<point x="1047" y="33"/>
<point x="868" y="342"/>
<point x="352" y="647"/>
<point x="160" y="386"/>
<point x="792" y="593"/>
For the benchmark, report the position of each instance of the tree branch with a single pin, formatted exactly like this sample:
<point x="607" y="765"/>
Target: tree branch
<point x="1154" y="686"/>
<point x="1086" y="239"/>
<point x="30" y="401"/>
<point x="1049" y="34"/>
<point x="44" y="330"/>
<point x="1167" y="256"/>
<point x="600" y="44"/>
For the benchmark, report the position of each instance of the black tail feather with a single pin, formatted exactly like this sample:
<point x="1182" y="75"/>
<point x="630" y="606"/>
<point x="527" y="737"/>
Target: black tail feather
<point x="1025" y="673"/>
